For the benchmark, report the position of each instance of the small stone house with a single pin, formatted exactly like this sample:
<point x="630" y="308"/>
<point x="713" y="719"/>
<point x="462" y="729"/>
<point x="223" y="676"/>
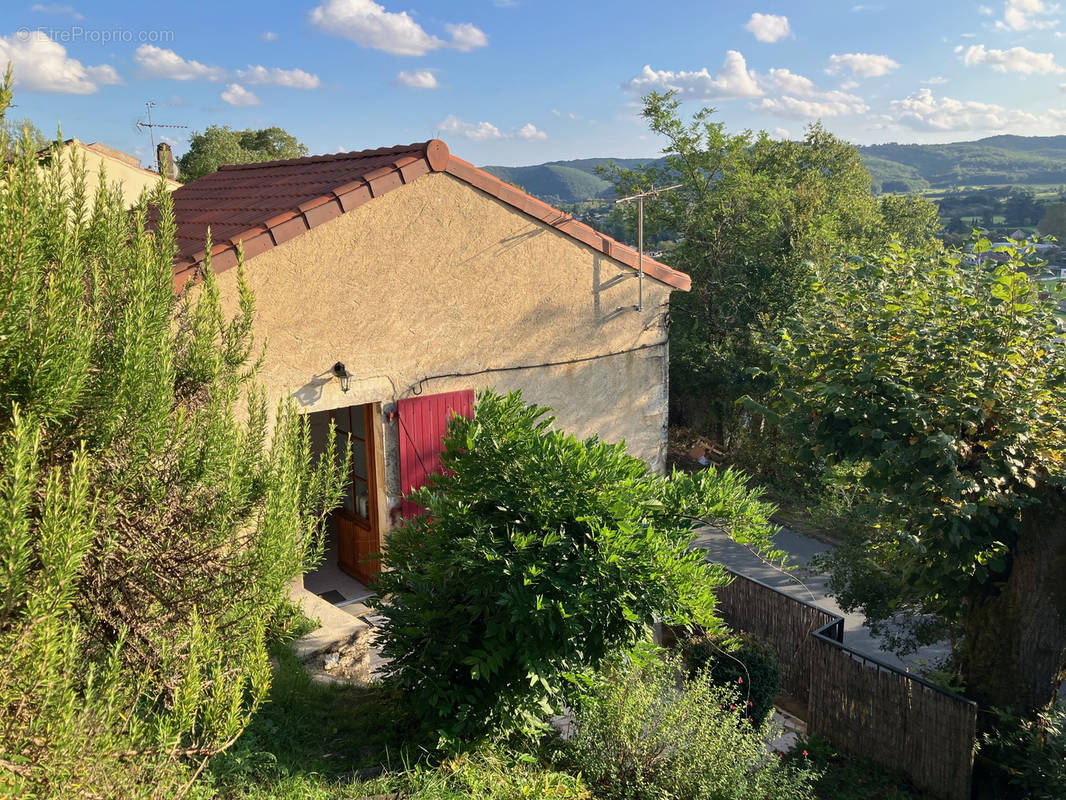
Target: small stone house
<point x="392" y="284"/>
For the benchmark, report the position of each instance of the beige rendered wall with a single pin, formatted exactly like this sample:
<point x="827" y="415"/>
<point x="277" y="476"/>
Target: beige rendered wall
<point x="132" y="179"/>
<point x="437" y="277"/>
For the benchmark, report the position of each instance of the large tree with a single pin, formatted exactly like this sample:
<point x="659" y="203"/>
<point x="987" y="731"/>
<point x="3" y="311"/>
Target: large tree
<point x="149" y="525"/>
<point x="754" y="218"/>
<point x="220" y="145"/>
<point x="946" y="381"/>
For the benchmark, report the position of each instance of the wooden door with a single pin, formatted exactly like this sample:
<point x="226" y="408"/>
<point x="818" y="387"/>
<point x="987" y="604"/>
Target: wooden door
<point x="357" y="521"/>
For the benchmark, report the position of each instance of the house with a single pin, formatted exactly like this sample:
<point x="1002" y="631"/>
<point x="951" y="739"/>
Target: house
<point x="392" y="284"/>
<point x="119" y="167"/>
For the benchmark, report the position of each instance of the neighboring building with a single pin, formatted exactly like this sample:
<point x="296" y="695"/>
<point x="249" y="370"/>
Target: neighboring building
<point x="119" y="167"/>
<point x="394" y="283"/>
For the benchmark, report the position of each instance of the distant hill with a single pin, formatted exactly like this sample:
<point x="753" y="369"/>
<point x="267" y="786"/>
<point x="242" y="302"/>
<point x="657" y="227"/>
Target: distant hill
<point x="564" y="181"/>
<point x="992" y="161"/>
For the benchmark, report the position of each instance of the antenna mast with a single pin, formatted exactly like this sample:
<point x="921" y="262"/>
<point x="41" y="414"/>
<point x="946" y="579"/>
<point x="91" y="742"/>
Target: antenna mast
<point x="640" y="235"/>
<point x="151" y="126"/>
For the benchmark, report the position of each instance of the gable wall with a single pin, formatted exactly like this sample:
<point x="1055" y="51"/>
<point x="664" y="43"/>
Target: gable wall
<point x="437" y="277"/>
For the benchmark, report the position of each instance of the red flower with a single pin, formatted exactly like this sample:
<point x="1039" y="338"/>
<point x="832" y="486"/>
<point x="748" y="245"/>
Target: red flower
<point x="804" y="753"/>
<point x="740" y="680"/>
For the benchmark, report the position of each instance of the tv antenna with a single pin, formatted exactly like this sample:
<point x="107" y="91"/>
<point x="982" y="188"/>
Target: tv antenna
<point x="151" y="126"/>
<point x="640" y="235"/>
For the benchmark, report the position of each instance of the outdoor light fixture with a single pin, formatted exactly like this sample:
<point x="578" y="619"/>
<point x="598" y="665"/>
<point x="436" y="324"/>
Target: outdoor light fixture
<point x="342" y="373"/>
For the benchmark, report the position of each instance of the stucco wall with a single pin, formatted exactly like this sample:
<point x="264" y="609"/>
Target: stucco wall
<point x="437" y="277"/>
<point x="132" y="179"/>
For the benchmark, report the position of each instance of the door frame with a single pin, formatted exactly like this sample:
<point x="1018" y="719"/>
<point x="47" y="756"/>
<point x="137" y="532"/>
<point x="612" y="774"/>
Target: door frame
<point x="371" y="531"/>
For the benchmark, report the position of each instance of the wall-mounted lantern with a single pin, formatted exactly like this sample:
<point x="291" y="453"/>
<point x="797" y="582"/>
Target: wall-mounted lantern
<point x="341" y="372"/>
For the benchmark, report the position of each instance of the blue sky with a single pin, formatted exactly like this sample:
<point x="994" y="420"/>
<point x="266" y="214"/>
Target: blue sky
<point x="526" y="81"/>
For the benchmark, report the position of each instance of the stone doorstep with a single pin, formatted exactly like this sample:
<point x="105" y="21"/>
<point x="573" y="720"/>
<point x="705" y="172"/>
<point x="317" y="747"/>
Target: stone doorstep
<point x="339" y="649"/>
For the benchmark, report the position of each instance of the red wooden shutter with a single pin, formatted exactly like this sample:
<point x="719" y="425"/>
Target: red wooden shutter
<point x="423" y="421"/>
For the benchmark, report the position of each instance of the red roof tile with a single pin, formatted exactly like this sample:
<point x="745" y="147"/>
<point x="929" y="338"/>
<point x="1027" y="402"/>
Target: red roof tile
<point x="265" y="204"/>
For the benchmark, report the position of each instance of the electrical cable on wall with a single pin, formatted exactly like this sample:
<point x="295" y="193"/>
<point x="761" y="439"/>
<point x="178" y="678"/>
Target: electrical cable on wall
<point x="416" y="389"/>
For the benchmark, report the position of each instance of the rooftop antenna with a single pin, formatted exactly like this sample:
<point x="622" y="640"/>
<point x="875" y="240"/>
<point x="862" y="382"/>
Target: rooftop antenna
<point x="151" y="126"/>
<point x="640" y="235"/>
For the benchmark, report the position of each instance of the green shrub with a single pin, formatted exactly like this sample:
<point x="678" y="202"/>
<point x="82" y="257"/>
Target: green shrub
<point x="541" y="556"/>
<point x="742" y="662"/>
<point x="1028" y="756"/>
<point x="643" y="735"/>
<point x="150" y="524"/>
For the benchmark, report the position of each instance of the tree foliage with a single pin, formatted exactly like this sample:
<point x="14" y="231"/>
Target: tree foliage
<point x="540" y="556"/>
<point x="220" y="145"/>
<point x="754" y="219"/>
<point x="947" y="382"/>
<point x="1053" y="223"/>
<point x="150" y="527"/>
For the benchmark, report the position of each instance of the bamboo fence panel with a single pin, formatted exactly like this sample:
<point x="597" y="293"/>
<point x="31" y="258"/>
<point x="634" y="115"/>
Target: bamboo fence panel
<point x="865" y="708"/>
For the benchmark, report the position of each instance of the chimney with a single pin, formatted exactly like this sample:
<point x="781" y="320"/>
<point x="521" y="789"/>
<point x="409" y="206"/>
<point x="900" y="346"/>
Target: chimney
<point x="165" y="161"/>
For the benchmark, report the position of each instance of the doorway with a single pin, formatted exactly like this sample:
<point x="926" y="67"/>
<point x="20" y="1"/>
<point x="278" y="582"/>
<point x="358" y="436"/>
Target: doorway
<point x="354" y="529"/>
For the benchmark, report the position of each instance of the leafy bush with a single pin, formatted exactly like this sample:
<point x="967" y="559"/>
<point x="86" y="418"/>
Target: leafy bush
<point x="642" y="736"/>
<point x="539" y="557"/>
<point x="741" y="662"/>
<point x="150" y="526"/>
<point x="1029" y="756"/>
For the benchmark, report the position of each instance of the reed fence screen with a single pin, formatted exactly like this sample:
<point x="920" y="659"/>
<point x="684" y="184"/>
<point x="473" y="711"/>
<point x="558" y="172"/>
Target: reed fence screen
<point x="863" y="707"/>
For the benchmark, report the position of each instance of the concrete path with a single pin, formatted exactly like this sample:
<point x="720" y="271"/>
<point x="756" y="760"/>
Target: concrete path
<point x="807" y="584"/>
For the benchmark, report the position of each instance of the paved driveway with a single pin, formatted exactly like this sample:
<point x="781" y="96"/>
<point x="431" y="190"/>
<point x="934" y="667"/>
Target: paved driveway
<point x="806" y="584"/>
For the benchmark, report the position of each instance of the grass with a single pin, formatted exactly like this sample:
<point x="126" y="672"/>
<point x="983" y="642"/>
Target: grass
<point x="311" y="740"/>
<point x="340" y="742"/>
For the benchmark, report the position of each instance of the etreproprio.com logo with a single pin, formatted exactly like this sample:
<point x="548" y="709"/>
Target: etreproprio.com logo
<point x="77" y="33"/>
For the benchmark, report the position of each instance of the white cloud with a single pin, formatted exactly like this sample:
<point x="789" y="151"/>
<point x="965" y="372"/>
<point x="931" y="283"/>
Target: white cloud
<point x="486" y="131"/>
<point x="42" y="65"/>
<point x="475" y="131"/>
<point x="56" y="8"/>
<point x="268" y="36"/>
<point x="861" y="65"/>
<point x="768" y="27"/>
<point x="1017" y="59"/>
<point x="1020" y="15"/>
<point x="847" y="86"/>
<point x="782" y="133"/>
<point x="370" y="25"/>
<point x="417" y="79"/>
<point x="732" y="80"/>
<point x="466" y="37"/>
<point x="985" y="11"/>
<point x="790" y="83"/>
<point x="802" y="99"/>
<point x="275" y="76"/>
<point x="237" y="95"/>
<point x="821" y="105"/>
<point x="1062" y="86"/>
<point x="158" y="62"/>
<point x="926" y="112"/>
<point x="529" y="131"/>
<point x="935" y="80"/>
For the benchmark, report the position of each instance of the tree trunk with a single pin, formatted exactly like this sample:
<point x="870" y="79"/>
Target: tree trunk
<point x="1014" y="651"/>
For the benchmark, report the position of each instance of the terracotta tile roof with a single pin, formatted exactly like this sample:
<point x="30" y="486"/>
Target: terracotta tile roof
<point x="262" y="205"/>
